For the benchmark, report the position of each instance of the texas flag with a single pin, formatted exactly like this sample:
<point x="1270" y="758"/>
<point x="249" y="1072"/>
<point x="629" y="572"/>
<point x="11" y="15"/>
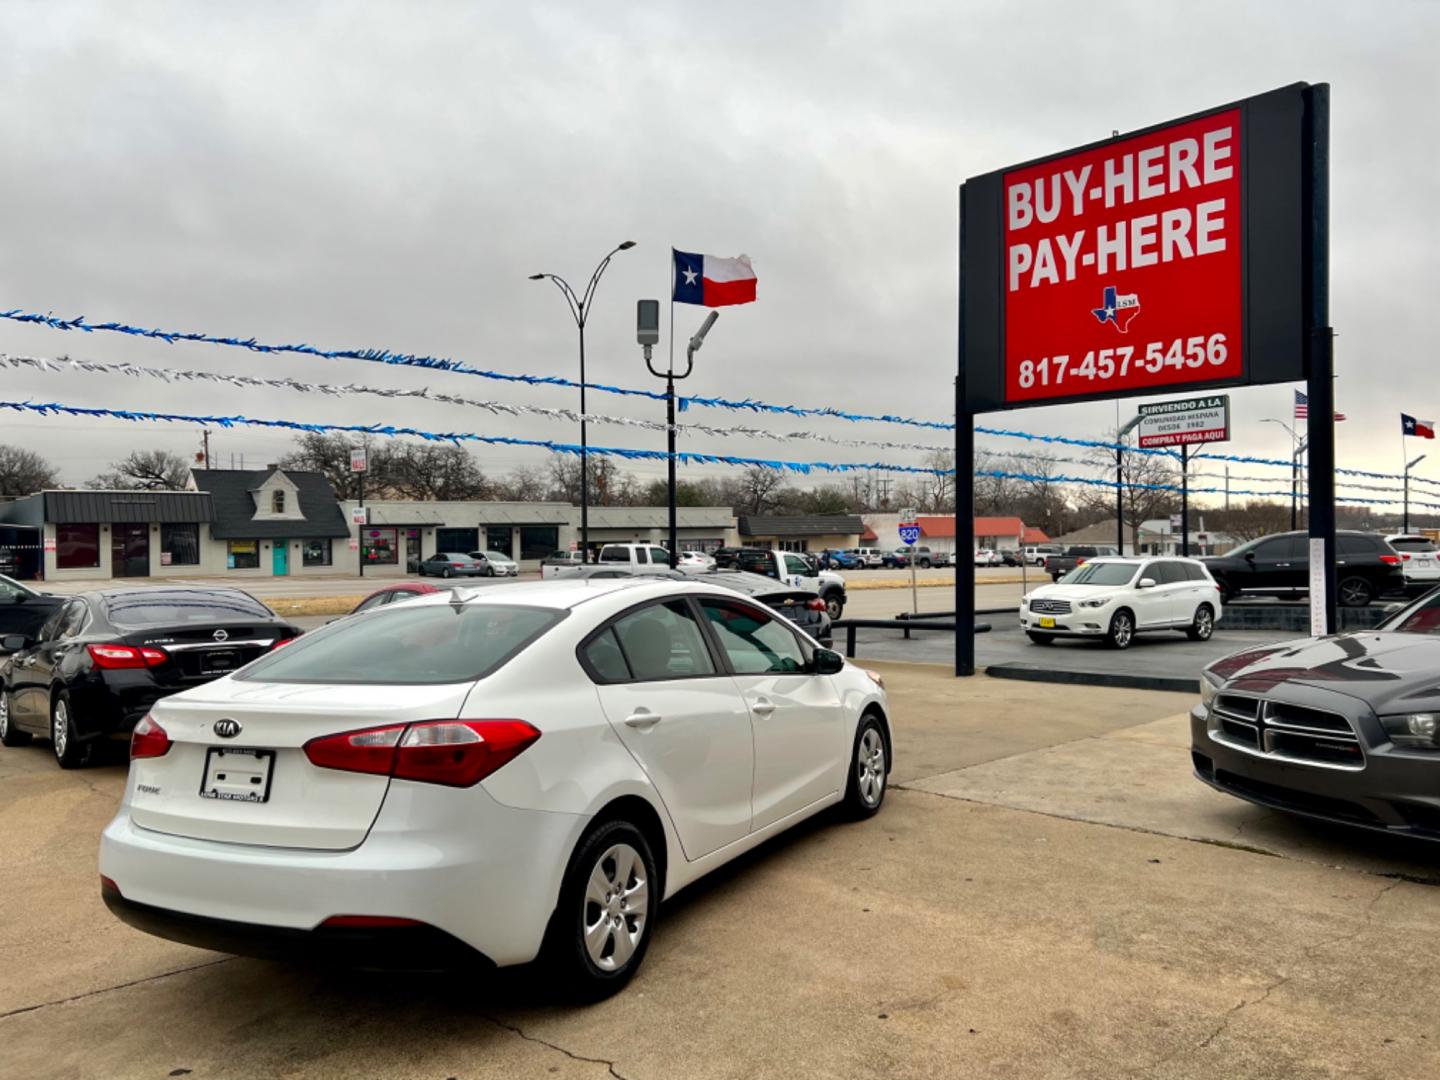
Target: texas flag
<point x="1422" y="429"/>
<point x="713" y="281"/>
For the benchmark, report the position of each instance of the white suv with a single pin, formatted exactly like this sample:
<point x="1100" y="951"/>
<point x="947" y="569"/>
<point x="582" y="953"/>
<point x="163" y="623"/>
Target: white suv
<point x="870" y="558"/>
<point x="1112" y="599"/>
<point x="1419" y="558"/>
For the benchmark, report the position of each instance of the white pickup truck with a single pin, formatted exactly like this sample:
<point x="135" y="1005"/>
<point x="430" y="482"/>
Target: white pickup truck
<point x="783" y="566"/>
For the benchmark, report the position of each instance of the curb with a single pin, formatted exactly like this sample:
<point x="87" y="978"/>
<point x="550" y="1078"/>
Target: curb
<point x="1035" y="673"/>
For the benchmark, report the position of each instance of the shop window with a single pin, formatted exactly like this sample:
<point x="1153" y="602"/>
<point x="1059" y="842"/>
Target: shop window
<point x="316" y="553"/>
<point x="242" y="555"/>
<point x="462" y="540"/>
<point x="179" y="545"/>
<point x="77" y="547"/>
<point x="537" y="541"/>
<point x="378" y="547"/>
<point x="794" y="545"/>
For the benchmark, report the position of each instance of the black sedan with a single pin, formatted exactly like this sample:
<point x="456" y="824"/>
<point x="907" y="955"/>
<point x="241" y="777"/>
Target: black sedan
<point x="1344" y="728"/>
<point x="100" y="661"/>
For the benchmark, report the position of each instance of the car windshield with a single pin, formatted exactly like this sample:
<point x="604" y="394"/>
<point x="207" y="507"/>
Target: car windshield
<point x="1100" y="573"/>
<point x="163" y="607"/>
<point x="409" y="645"/>
<point x="1421" y="617"/>
<point x="495" y="556"/>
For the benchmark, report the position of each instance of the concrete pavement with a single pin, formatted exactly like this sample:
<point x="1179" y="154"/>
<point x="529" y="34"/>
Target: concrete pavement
<point x="1046" y="894"/>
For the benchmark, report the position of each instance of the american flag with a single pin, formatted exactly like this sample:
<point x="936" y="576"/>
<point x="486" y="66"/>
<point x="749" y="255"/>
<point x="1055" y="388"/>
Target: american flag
<point x="1302" y="408"/>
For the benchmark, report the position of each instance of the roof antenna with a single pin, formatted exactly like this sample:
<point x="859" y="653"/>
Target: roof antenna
<point x="457" y="602"/>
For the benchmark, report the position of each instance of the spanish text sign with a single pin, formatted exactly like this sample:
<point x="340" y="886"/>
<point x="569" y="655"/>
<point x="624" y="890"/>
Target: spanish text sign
<point x="1123" y="264"/>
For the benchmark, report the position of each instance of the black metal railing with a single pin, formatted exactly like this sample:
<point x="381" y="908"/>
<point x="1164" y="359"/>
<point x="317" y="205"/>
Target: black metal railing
<point x="906" y="625"/>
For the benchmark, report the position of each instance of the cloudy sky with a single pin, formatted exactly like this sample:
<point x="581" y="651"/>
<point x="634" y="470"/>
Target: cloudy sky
<point x="388" y="174"/>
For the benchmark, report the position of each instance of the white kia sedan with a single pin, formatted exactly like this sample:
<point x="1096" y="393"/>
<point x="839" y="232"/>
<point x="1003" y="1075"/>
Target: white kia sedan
<point x="496" y="774"/>
<point x="1112" y="599"/>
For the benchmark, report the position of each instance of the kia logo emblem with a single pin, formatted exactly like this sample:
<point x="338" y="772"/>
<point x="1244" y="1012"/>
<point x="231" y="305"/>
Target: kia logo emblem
<point x="221" y="635"/>
<point x="227" y="729"/>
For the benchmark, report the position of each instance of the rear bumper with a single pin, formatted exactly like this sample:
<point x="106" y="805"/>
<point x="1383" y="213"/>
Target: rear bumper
<point x="406" y="948"/>
<point x="454" y="859"/>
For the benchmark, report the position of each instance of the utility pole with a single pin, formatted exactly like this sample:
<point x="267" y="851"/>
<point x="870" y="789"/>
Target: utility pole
<point x="1227" y="488"/>
<point x="1184" y="499"/>
<point x="205" y="442"/>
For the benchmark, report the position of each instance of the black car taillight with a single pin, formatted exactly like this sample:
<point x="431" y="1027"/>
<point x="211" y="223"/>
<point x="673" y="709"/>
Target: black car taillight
<point x="117" y="657"/>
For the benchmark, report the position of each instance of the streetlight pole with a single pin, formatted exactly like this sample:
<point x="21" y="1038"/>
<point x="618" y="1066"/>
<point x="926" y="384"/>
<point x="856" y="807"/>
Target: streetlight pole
<point x="580" y="311"/>
<point x="1408" y="466"/>
<point x="1120" y="484"/>
<point x="1294" y="464"/>
<point x="670" y="376"/>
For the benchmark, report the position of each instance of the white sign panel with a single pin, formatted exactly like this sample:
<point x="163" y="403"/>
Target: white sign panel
<point x="360" y="515"/>
<point x="1317" y="587"/>
<point x="359" y="459"/>
<point x="1185" y="422"/>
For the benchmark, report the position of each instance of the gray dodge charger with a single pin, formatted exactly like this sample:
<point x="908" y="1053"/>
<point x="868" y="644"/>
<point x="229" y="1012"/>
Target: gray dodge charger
<point x="1344" y="728"/>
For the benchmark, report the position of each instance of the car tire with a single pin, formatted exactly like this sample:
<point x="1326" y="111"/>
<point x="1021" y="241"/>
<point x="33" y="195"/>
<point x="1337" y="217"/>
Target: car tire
<point x="1354" y="592"/>
<point x="1040" y="639"/>
<point x="70" y="752"/>
<point x="1203" y="625"/>
<point x="489" y="571"/>
<point x="834" y="605"/>
<point x="924" y="564"/>
<point x="869" y="770"/>
<point x="446" y="572"/>
<point x="585" y="930"/>
<point x="10" y="735"/>
<point x="1121" y="633"/>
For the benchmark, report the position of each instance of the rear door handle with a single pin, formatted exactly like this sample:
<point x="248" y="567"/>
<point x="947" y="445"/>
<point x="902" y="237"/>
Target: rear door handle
<point x="763" y="707"/>
<point x="642" y="718"/>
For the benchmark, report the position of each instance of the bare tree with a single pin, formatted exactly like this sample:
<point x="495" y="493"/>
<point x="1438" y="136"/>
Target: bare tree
<point x="435" y="471"/>
<point x="760" y="488"/>
<point x="1257" y="517"/>
<point x="1143" y="482"/>
<point x="145" y="470"/>
<point x="935" y="491"/>
<point x="23" y="472"/>
<point x="523" y="484"/>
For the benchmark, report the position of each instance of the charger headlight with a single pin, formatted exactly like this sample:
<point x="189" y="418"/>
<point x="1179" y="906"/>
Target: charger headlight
<point x="1209" y="687"/>
<point x="1413" y="731"/>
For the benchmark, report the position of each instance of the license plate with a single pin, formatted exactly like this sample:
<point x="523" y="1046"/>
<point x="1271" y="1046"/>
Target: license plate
<point x="1423" y="562"/>
<point x="1046" y="622"/>
<point x="237" y="775"/>
<point x="219" y="661"/>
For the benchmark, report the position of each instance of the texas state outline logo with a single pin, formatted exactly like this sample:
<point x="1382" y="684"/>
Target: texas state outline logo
<point x="1117" y="309"/>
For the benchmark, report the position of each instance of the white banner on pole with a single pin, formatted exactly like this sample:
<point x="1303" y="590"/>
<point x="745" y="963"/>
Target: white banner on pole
<point x="1317" y="587"/>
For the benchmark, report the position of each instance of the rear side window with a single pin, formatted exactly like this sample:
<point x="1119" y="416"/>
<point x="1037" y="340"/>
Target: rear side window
<point x="663" y="641"/>
<point x="1195" y="572"/>
<point x="409" y="645"/>
<point x="159" y="607"/>
<point x="1168" y="573"/>
<point x="605" y="659"/>
<point x="1357" y="545"/>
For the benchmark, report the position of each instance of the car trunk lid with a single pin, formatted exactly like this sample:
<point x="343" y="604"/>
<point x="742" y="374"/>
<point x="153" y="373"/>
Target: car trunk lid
<point x="236" y="770"/>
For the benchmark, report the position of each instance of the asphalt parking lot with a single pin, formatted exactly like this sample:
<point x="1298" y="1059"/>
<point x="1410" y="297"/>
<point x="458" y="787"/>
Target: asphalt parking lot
<point x="1047" y="893"/>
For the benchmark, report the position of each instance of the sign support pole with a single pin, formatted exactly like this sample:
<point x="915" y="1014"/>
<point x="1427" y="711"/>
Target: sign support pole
<point x="361" y="550"/>
<point x="964" y="495"/>
<point x="1185" y="499"/>
<point x="1321" y="348"/>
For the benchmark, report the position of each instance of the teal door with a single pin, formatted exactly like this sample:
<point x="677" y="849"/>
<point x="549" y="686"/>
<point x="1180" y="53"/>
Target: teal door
<point x="281" y="562"/>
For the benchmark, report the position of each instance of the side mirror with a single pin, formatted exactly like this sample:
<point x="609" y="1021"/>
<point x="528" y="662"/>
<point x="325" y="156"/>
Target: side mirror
<point x="827" y="662"/>
<point x="1146" y="583"/>
<point x="13" y="643"/>
<point x="1249" y="556"/>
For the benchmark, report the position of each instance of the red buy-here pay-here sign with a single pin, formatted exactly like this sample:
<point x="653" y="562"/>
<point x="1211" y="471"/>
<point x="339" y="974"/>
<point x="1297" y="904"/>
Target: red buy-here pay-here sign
<point x="1123" y="265"/>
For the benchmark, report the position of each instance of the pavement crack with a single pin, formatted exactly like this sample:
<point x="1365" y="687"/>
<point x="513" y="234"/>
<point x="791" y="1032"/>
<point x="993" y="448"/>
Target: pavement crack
<point x="1230" y="1014"/>
<point x="109" y="989"/>
<point x="517" y="1030"/>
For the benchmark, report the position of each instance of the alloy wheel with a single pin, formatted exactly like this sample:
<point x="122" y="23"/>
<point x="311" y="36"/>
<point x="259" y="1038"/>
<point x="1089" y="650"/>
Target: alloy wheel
<point x="870" y="767"/>
<point x="60" y="728"/>
<point x="617" y="907"/>
<point x="1121" y="630"/>
<point x="4" y="714"/>
<point x="1204" y="624"/>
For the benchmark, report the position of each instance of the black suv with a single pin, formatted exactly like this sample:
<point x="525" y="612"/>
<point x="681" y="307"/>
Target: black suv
<point x="1365" y="567"/>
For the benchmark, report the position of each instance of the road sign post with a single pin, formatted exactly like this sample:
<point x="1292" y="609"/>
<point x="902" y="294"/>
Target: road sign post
<point x="909" y="534"/>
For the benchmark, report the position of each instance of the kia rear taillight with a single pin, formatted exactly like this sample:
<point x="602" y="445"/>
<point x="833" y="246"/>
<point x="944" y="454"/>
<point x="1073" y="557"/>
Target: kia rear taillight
<point x="115" y="657"/>
<point x="281" y="643"/>
<point x="456" y="753"/>
<point x="1390" y="560"/>
<point x="149" y="739"/>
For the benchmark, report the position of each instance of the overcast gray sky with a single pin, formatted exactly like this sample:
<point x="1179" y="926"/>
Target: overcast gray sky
<point x="387" y="174"/>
